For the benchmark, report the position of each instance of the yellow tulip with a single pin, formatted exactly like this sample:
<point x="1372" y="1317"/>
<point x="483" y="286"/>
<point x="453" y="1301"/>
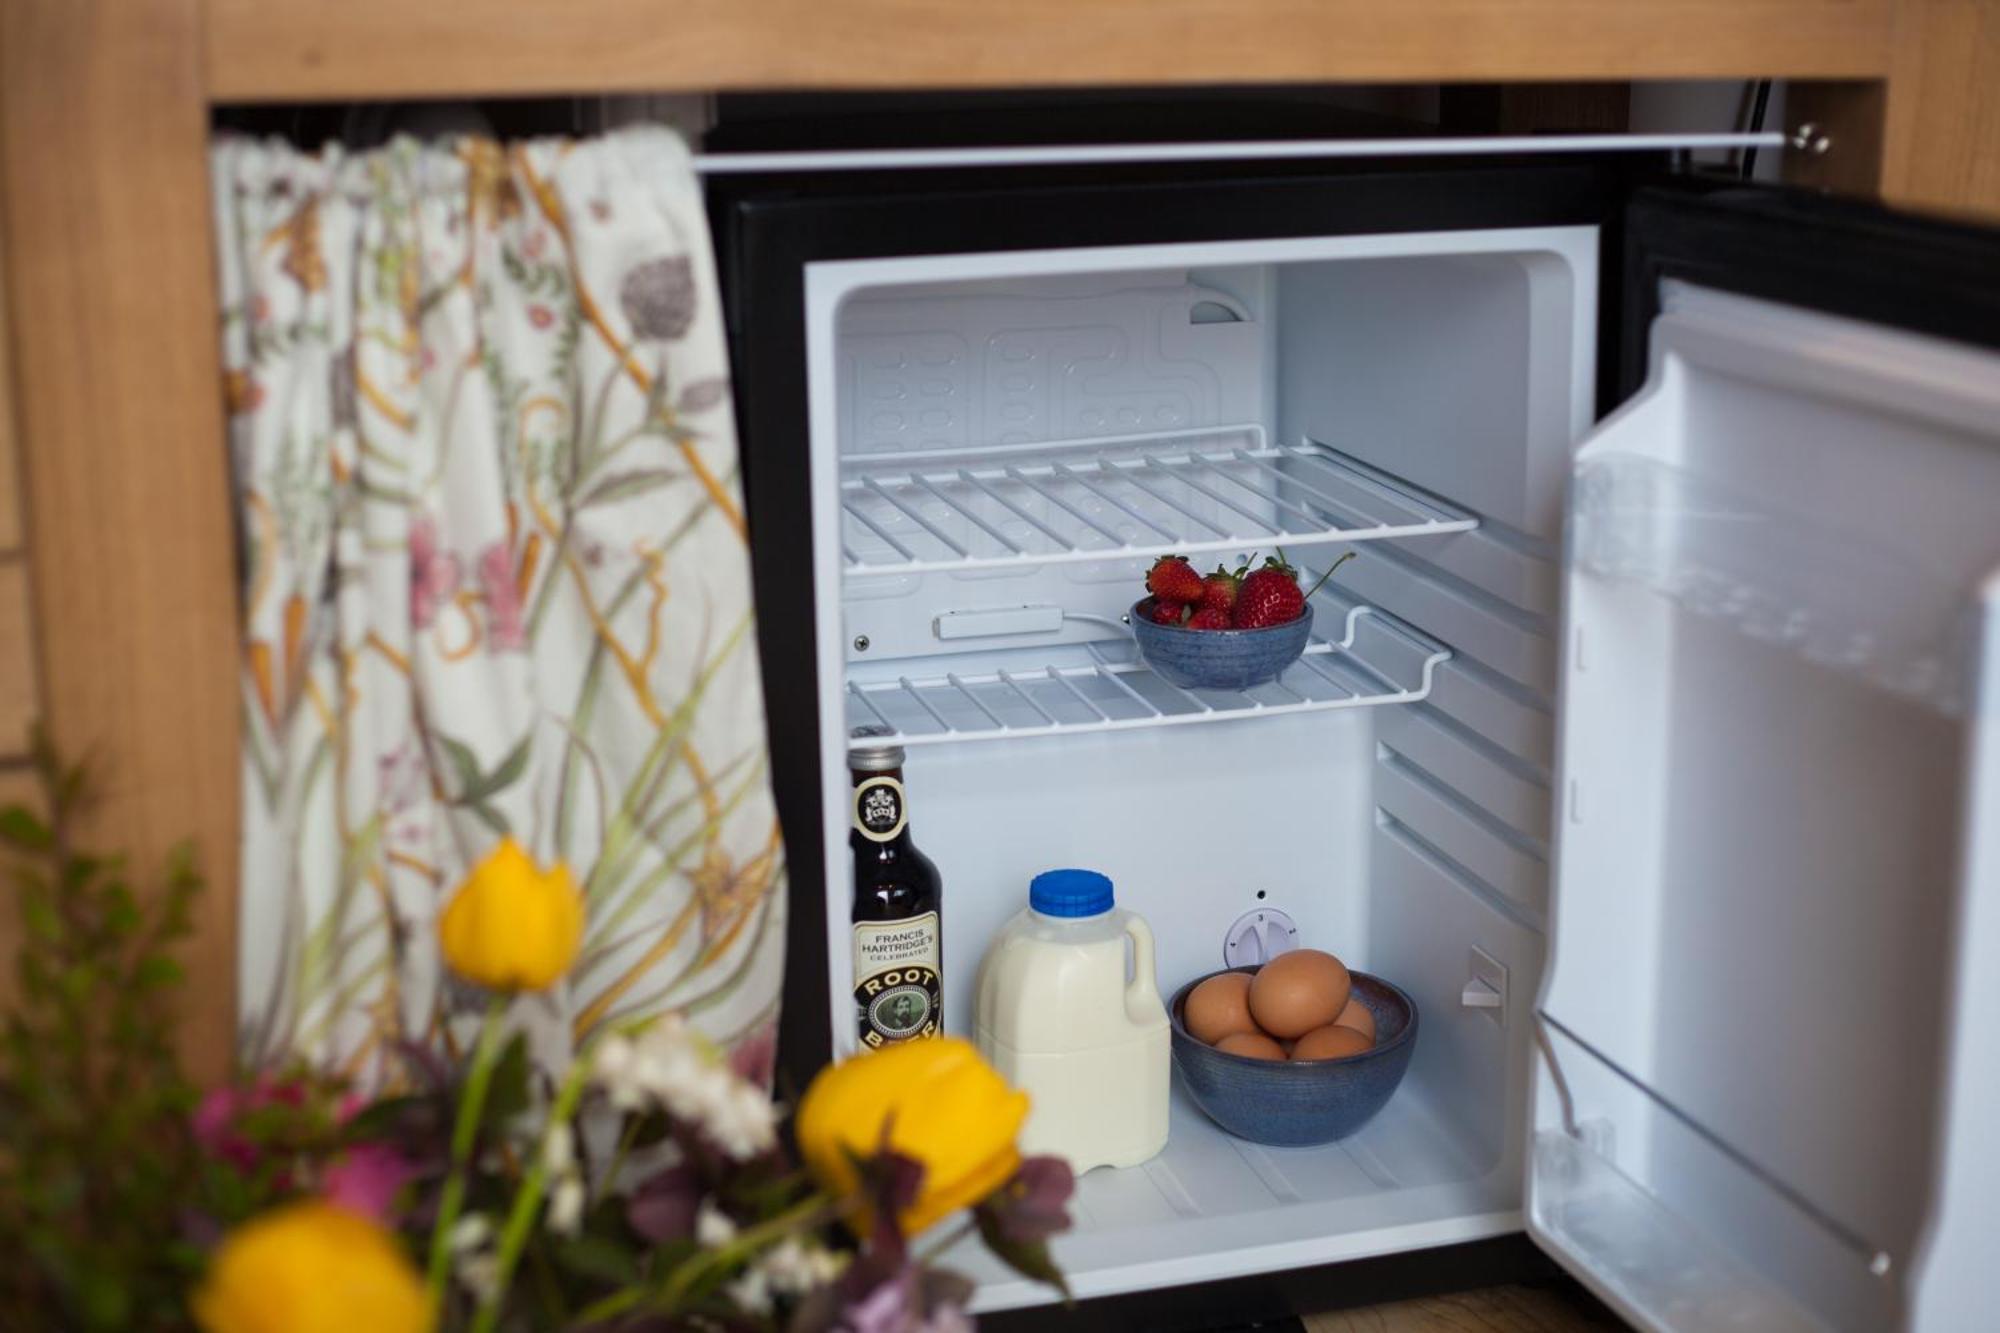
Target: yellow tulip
<point x="512" y="925"/>
<point x="943" y="1105"/>
<point x="311" y="1267"/>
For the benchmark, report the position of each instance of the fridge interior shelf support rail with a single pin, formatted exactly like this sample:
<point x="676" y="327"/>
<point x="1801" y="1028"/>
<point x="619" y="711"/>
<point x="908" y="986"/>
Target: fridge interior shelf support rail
<point x="1119" y="497"/>
<point x="1378" y="660"/>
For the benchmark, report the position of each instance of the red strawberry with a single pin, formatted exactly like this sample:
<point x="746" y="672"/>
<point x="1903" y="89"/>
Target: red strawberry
<point x="1173" y="579"/>
<point x="1209" y="617"/>
<point x="1218" y="591"/>
<point x="1164" y="612"/>
<point x="1269" y="597"/>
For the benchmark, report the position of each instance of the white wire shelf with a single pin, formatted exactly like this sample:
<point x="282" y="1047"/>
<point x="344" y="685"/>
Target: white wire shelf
<point x="1105" y="686"/>
<point x="1117" y="497"/>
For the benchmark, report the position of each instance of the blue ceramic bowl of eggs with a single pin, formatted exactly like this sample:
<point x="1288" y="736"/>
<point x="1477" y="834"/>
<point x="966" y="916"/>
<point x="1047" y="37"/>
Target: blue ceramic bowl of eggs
<point x="1218" y="659"/>
<point x="1296" y="1103"/>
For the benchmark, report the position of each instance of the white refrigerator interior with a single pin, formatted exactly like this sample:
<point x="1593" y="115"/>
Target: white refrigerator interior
<point x="1764" y="829"/>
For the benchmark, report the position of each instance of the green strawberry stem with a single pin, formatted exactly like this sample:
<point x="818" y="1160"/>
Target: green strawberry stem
<point x="1329" y="574"/>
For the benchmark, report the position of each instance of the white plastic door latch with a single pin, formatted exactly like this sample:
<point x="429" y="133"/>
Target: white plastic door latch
<point x="1485" y="985"/>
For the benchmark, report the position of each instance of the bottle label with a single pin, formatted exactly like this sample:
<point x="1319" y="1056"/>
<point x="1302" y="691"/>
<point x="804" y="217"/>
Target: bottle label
<point x="896" y="986"/>
<point x="879" y="812"/>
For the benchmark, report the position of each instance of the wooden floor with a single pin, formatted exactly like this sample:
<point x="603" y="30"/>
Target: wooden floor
<point x="1542" y="1308"/>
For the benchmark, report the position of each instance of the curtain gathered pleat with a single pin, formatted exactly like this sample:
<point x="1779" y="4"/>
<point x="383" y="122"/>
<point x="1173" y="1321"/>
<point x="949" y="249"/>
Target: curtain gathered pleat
<point x="495" y="582"/>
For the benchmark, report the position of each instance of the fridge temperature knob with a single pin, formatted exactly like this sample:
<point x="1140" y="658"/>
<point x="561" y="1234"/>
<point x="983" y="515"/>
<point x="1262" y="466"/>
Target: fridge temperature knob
<point x="1258" y="936"/>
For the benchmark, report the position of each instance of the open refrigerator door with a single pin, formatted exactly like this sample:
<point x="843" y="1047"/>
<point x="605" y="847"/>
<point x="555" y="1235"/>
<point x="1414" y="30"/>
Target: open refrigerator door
<point x="1771" y="788"/>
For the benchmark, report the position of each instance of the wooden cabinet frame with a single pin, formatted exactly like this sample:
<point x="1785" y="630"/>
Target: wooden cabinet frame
<point x="104" y="208"/>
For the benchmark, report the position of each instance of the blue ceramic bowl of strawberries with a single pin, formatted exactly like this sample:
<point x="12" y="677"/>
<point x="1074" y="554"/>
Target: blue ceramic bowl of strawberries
<point x="1218" y="659"/>
<point x="1298" y="1103"/>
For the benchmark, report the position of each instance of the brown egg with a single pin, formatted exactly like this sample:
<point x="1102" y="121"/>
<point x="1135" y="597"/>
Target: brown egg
<point x="1330" y="1043"/>
<point x="1253" y="1044"/>
<point x="1357" y="1016"/>
<point x="1218" y="1007"/>
<point x="1298" y="991"/>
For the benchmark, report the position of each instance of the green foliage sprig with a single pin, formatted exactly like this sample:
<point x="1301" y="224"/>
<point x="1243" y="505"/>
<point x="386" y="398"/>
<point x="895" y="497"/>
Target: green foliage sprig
<point x="96" y="1156"/>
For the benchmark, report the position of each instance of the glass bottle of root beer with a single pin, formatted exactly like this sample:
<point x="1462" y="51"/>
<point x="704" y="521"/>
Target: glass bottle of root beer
<point x="898" y="947"/>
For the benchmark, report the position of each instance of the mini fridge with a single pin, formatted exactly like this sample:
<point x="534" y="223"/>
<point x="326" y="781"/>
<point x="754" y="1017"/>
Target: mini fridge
<point x="1651" y="740"/>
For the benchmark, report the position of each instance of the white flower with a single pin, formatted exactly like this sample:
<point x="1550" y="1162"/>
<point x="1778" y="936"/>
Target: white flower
<point x="558" y="1148"/>
<point x="566" y="1205"/>
<point x="481" y="1274"/>
<point x="471" y="1232"/>
<point x="613" y="1068"/>
<point x="751" y="1292"/>
<point x="794" y="1268"/>
<point x="712" y="1227"/>
<point x="668" y="1064"/>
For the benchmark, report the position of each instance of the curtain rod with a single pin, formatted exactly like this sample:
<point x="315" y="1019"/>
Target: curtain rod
<point x="904" y="159"/>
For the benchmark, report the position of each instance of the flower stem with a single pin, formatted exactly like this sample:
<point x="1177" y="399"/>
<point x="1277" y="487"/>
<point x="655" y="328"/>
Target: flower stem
<point x="528" y="1198"/>
<point x="626" y="1139"/>
<point x="812" y="1211"/>
<point x="464" y="1134"/>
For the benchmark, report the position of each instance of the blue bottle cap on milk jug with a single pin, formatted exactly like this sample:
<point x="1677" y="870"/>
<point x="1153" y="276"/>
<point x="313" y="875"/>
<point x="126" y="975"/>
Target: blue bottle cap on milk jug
<point x="1070" y="893"/>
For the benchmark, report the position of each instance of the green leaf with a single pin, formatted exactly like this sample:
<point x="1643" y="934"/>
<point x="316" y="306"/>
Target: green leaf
<point x="599" y="1258"/>
<point x="158" y="971"/>
<point x="20" y="827"/>
<point x="464" y="763"/>
<point x="492" y="818"/>
<point x="1028" y="1258"/>
<point x="625" y="485"/>
<point x="474" y="788"/>
<point x="511" y="768"/>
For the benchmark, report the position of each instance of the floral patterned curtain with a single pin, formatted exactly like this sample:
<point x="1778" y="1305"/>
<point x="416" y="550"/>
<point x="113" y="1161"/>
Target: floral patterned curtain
<point x="494" y="582"/>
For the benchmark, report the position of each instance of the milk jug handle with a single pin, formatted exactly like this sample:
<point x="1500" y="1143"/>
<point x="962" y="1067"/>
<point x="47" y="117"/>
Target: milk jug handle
<point x="1143" y="989"/>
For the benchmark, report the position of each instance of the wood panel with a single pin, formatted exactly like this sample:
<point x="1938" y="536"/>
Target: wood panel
<point x="294" y="50"/>
<point x="1560" y="1307"/>
<point x="19" y="700"/>
<point x="1941" y="147"/>
<point x="10" y="458"/>
<point x="103" y="125"/>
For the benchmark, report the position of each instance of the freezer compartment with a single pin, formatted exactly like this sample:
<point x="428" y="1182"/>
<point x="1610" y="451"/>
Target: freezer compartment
<point x="1197" y="826"/>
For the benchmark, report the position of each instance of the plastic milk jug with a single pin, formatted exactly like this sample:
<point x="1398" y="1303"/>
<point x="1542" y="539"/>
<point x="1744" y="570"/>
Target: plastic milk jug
<point x="1062" y="1017"/>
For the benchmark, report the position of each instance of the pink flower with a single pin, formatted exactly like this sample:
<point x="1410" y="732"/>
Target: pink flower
<point x="215" y="1118"/>
<point x="215" y="1127"/>
<point x="532" y="247"/>
<point x="433" y="573"/>
<point x="260" y="308"/>
<point x="367" y="1181"/>
<point x="505" y="630"/>
<point x="541" y="316"/>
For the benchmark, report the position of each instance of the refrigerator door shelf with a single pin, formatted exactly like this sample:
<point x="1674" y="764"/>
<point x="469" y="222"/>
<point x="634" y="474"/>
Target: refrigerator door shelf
<point x="1833" y="597"/>
<point x="1104" y="686"/>
<point x="1213" y="490"/>
<point x="1664" y="1208"/>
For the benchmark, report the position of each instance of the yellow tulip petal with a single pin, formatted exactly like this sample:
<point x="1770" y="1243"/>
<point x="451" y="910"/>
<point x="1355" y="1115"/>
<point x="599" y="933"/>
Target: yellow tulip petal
<point x="512" y="926"/>
<point x="311" y="1267"/>
<point x="943" y="1106"/>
